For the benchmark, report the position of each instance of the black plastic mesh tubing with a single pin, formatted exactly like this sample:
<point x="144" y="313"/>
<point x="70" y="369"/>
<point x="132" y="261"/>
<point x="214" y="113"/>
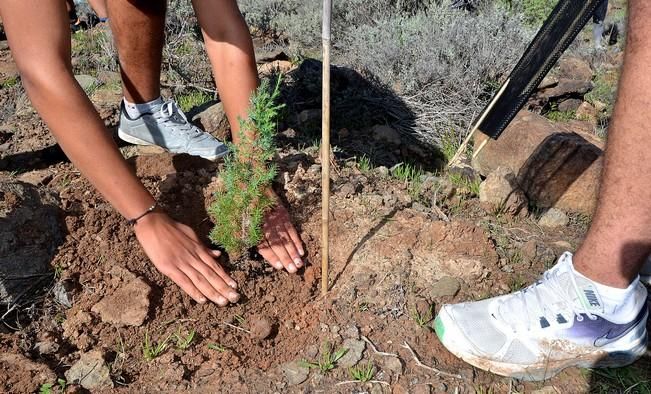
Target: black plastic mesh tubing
<point x="557" y="33"/>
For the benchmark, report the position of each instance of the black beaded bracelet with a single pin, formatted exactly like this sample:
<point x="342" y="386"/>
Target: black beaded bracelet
<point x="132" y="222"/>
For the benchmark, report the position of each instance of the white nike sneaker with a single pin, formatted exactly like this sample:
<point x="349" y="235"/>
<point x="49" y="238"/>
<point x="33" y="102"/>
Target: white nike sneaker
<point x="558" y="322"/>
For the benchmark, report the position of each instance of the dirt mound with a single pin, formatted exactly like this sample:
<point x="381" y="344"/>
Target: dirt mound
<point x="30" y="233"/>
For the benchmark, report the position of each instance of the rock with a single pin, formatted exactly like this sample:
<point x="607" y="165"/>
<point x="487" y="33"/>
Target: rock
<point x="276" y="66"/>
<point x="127" y="306"/>
<point x="554" y="218"/>
<point x="354" y="354"/>
<point x="392" y="364"/>
<point x="46" y="347"/>
<point x="214" y="121"/>
<point x="548" y="82"/>
<point x="91" y="371"/>
<point x="587" y="112"/>
<point x="30" y="233"/>
<point x="386" y="134"/>
<point x="381" y="171"/>
<point x="569" y="105"/>
<point x="87" y="82"/>
<point x="260" y="327"/>
<point x="423" y="388"/>
<point x="295" y="373"/>
<point x="575" y="68"/>
<point x="447" y="286"/>
<point x="351" y="332"/>
<point x="37" y="177"/>
<point x="501" y="190"/>
<point x="555" y="167"/>
<point x="567" y="87"/>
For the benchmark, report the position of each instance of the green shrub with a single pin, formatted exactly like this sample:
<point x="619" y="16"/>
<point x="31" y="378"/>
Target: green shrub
<point x="444" y="63"/>
<point x="239" y="209"/>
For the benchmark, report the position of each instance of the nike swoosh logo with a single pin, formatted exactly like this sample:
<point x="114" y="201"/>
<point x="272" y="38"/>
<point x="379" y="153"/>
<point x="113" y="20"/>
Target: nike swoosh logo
<point x="618" y="331"/>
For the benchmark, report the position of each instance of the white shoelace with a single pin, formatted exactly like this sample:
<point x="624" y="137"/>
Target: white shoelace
<point x="546" y="298"/>
<point x="170" y="112"/>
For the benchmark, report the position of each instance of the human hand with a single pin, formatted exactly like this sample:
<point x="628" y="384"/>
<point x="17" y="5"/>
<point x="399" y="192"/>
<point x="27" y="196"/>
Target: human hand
<point x="177" y="253"/>
<point x="282" y="246"/>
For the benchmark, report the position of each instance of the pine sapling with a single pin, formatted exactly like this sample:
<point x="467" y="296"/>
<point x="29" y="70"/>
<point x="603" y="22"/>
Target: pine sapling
<point x="240" y="206"/>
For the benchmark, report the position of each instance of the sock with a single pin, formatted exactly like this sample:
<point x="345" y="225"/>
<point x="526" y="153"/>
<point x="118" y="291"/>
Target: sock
<point x="618" y="304"/>
<point x="137" y="110"/>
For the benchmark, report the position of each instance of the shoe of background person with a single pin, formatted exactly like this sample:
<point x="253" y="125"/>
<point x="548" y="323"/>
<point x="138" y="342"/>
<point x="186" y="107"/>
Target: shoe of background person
<point x="560" y="321"/>
<point x="169" y="128"/>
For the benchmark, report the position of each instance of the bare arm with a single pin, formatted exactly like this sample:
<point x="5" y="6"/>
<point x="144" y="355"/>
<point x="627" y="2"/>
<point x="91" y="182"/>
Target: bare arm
<point x="40" y="40"/>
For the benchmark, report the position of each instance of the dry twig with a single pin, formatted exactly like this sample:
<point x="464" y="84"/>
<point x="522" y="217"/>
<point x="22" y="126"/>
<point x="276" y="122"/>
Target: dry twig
<point x="375" y="349"/>
<point x="420" y="364"/>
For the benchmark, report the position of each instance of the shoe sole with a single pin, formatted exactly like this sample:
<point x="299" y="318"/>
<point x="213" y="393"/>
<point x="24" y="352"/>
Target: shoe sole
<point x="613" y="355"/>
<point x="137" y="141"/>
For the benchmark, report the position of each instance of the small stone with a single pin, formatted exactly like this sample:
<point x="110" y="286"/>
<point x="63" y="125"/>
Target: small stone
<point x="393" y="365"/>
<point x="311" y="352"/>
<point x="554" y="218"/>
<point x="280" y="66"/>
<point x="355" y="350"/>
<point x="447" y="286"/>
<point x="46" y="347"/>
<point x="501" y="189"/>
<point x="575" y="68"/>
<point x="260" y="328"/>
<point x="569" y="105"/>
<point x="382" y="171"/>
<point x="127" y="306"/>
<point x="351" y="332"/>
<point x="387" y="134"/>
<point x="295" y="373"/>
<point x="91" y="371"/>
<point x="377" y="389"/>
<point x="548" y="82"/>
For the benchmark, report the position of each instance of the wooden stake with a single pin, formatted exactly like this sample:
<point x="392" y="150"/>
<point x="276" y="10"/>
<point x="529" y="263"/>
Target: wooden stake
<point x="325" y="147"/>
<point x="475" y="128"/>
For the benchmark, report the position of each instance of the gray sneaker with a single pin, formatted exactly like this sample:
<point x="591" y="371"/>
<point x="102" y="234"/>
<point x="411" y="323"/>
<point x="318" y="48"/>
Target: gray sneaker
<point x="169" y="128"/>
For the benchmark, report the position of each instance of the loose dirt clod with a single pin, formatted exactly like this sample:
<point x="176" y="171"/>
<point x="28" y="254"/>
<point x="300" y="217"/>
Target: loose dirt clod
<point x="127" y="306"/>
<point x="260" y="328"/>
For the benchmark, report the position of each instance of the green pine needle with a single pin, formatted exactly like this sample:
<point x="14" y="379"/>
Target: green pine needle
<point x="239" y="209"/>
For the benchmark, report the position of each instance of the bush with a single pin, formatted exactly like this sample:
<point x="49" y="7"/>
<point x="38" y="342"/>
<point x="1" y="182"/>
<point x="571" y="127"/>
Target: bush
<point x="239" y="209"/>
<point x="445" y="63"/>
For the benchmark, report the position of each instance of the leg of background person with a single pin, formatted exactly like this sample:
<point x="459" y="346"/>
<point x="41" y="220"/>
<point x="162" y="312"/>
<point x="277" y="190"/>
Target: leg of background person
<point x="619" y="238"/>
<point x="100" y="8"/>
<point x="230" y="50"/>
<point x="138" y="28"/>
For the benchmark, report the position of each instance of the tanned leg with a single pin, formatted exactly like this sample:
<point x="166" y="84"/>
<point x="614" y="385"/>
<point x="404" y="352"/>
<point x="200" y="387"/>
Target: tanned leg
<point x="139" y="30"/>
<point x="619" y="238"/>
